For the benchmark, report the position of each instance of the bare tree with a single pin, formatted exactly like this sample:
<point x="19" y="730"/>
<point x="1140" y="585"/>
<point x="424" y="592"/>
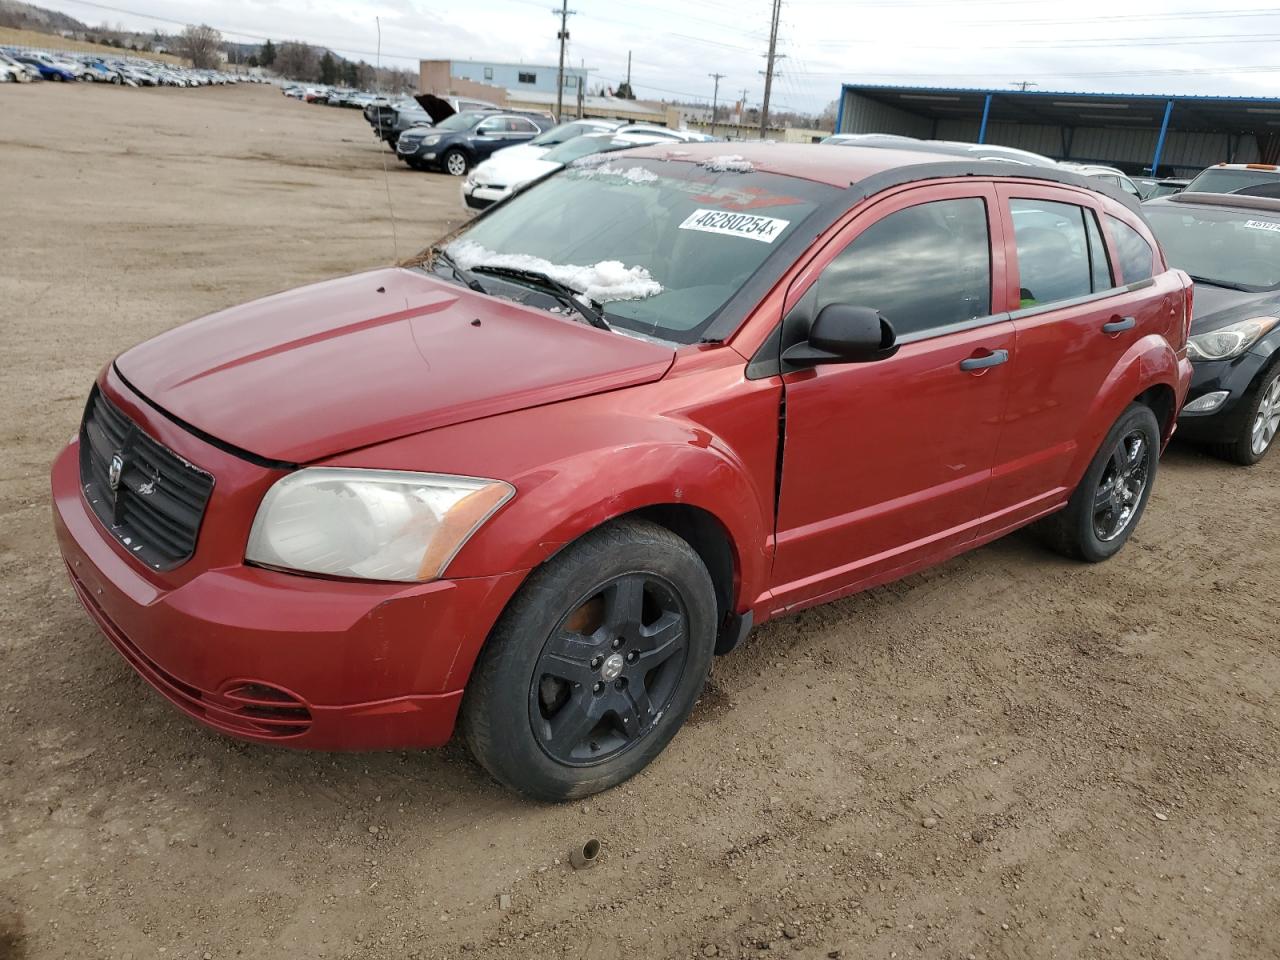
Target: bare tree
<point x="200" y="45"/>
<point x="297" y="61"/>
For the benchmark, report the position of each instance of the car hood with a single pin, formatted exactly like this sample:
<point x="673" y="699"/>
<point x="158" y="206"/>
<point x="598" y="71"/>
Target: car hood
<point x="1216" y="307"/>
<point x="368" y="358"/>
<point x="512" y="170"/>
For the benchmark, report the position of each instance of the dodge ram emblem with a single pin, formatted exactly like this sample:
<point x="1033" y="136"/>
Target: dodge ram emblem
<point x="114" y="471"/>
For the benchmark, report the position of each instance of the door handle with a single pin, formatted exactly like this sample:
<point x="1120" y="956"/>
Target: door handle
<point x="1119" y="325"/>
<point x="992" y="359"/>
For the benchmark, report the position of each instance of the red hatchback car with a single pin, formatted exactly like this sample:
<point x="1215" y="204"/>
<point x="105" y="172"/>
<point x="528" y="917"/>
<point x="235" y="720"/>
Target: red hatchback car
<point x="533" y="480"/>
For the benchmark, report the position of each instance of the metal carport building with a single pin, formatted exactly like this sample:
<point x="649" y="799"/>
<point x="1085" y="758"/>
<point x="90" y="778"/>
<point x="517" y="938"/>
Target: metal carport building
<point x="1180" y="135"/>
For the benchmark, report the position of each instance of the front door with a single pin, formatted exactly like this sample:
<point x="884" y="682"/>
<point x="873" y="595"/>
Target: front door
<point x="887" y="464"/>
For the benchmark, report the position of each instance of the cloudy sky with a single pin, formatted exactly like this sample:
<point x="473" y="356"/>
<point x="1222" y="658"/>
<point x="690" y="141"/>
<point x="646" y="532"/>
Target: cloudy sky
<point x="1142" y="46"/>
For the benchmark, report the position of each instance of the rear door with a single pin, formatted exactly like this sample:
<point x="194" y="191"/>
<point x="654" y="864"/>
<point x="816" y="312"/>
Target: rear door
<point x="1075" y="313"/>
<point x="887" y="464"/>
<point x="494" y="133"/>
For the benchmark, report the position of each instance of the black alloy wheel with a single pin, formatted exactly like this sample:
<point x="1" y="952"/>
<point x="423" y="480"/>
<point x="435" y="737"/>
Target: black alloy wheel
<point x="1122" y="486"/>
<point x="609" y="670"/>
<point x="595" y="663"/>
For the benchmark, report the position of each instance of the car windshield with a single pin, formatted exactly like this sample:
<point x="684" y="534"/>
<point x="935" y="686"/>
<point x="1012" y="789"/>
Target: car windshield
<point x="460" y="121"/>
<point x="583" y="147"/>
<point x="1231" y="248"/>
<point x="662" y="245"/>
<point x="566" y="131"/>
<point x="1216" y="180"/>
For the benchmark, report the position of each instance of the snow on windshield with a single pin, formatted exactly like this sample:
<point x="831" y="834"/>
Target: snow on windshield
<point x="630" y="174"/>
<point x="730" y="163"/>
<point x="602" y="282"/>
<point x="591" y="160"/>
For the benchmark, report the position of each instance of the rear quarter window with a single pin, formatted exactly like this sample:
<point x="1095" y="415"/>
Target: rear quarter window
<point x="1136" y="258"/>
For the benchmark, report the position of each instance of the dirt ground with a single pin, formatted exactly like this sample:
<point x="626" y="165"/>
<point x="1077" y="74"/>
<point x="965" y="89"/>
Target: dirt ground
<point x="1011" y="756"/>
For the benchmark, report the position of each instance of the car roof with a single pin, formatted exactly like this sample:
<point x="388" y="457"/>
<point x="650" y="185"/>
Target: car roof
<point x="843" y="166"/>
<point x="1223" y="201"/>
<point x="1263" y="167"/>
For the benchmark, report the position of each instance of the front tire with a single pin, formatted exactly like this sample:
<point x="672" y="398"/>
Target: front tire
<point x="595" y="665"/>
<point x="1109" y="501"/>
<point x="455" y="162"/>
<point x="1258" y="426"/>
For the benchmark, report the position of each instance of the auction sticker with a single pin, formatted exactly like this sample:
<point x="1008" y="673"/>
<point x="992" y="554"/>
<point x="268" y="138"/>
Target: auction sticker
<point x="1262" y="225"/>
<point x="764" y="229"/>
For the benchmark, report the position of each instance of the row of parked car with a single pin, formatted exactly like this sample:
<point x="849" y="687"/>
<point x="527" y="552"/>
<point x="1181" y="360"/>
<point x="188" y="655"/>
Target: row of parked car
<point x="25" y="65"/>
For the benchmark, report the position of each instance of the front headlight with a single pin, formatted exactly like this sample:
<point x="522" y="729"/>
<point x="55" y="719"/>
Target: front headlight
<point x="431" y="141"/>
<point x="371" y="524"/>
<point x="1229" y="341"/>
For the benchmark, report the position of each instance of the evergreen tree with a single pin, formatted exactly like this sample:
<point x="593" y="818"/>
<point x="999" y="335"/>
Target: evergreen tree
<point x="267" y="56"/>
<point x="328" y="69"/>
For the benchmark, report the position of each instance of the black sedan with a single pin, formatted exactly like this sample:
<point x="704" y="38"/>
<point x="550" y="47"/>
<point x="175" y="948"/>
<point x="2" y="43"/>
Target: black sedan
<point x="1230" y="244"/>
<point x="459" y="142"/>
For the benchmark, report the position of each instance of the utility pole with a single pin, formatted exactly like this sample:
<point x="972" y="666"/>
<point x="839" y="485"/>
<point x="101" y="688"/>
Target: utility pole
<point x="1023" y="84"/>
<point x="715" y="97"/>
<point x="563" y="13"/>
<point x="768" y="72"/>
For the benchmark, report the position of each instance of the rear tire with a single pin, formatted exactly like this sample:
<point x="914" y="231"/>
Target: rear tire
<point x="1258" y="425"/>
<point x="595" y="664"/>
<point x="1110" y="499"/>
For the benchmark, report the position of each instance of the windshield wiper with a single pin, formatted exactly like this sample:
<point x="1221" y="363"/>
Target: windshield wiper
<point x="570" y="297"/>
<point x="1225" y="284"/>
<point x="462" y="276"/>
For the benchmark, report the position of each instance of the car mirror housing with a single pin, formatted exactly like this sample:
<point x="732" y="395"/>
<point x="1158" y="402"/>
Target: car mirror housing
<point x="844" y="333"/>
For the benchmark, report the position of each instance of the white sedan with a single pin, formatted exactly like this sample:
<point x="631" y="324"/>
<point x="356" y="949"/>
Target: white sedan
<point x="509" y="170"/>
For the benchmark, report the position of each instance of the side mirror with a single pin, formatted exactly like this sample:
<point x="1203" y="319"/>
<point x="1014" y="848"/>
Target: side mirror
<point x="842" y="333"/>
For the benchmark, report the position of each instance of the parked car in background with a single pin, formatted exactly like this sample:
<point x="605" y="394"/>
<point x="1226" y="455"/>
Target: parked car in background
<point x="1111" y="175"/>
<point x="532" y="481"/>
<point x="1164" y="187"/>
<point x="1230" y="245"/>
<point x="13" y="71"/>
<point x="513" y="169"/>
<point x="974" y="151"/>
<point x="1230" y="177"/>
<point x="50" y="68"/>
<point x="457" y="143"/>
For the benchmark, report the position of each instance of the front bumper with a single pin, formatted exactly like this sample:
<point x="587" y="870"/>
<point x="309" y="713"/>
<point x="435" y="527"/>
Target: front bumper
<point x="1235" y="377"/>
<point x="277" y="658"/>
<point x="478" y="196"/>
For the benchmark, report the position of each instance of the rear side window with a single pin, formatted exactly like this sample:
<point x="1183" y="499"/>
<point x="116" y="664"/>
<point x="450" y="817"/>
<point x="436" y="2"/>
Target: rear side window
<point x="925" y="267"/>
<point x="1053" y="251"/>
<point x="1137" y="260"/>
<point x="1099" y="265"/>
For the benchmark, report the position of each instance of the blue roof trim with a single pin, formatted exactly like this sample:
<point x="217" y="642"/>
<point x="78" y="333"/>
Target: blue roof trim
<point x="1060" y="94"/>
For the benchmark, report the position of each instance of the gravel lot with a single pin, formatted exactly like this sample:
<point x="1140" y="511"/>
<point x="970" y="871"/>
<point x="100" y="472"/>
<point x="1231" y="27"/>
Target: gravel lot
<point x="1009" y="756"/>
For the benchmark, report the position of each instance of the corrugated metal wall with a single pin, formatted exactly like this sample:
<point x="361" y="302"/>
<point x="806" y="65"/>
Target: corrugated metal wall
<point x="1187" y="152"/>
<point x="867" y="116"/>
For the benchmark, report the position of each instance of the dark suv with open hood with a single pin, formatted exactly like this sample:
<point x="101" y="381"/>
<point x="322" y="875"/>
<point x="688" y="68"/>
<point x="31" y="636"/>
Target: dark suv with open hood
<point x="459" y="142"/>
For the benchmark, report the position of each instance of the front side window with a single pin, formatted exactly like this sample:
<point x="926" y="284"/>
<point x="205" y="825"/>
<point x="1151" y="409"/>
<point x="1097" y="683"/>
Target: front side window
<point x="1137" y="260"/>
<point x="662" y="245"/>
<point x="1054" y="253"/>
<point x="924" y="268"/>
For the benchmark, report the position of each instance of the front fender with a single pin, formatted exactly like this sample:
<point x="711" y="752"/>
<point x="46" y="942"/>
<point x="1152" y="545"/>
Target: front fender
<point x="1149" y="362"/>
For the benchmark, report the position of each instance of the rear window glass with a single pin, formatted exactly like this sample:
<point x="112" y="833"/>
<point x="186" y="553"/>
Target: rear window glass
<point x="1137" y="260"/>
<point x="924" y="268"/>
